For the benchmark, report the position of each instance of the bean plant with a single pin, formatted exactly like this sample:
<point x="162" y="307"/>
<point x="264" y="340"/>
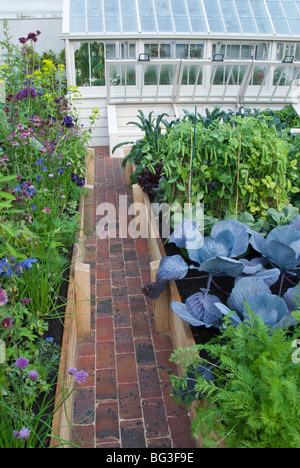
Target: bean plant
<point x="238" y="166"/>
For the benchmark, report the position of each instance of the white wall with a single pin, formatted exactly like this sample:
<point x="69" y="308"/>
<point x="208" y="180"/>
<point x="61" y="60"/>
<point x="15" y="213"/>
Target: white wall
<point x="48" y="39"/>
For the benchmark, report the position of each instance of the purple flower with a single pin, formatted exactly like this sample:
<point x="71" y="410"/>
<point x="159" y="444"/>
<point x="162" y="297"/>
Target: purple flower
<point x="68" y="121"/>
<point x="25" y="301"/>
<point x="3" y="297"/>
<point x="24" y="433"/>
<point x="72" y="370"/>
<point x="33" y="375"/>
<point x="6" y="322"/>
<point x="80" y="376"/>
<point x="22" y="363"/>
<point x="27" y="92"/>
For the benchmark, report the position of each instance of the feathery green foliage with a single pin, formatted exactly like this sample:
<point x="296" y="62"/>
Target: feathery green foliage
<point x="254" y="401"/>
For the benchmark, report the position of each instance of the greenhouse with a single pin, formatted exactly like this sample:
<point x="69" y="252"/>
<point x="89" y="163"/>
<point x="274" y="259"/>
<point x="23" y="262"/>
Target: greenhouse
<point x="174" y="54"/>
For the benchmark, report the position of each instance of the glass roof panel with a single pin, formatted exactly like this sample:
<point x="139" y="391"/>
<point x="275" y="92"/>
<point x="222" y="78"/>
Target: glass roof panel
<point x="164" y="16"/>
<point x="278" y="17"/>
<point x="230" y="16"/>
<point x="180" y="14"/>
<point x="112" y="16"/>
<point x="261" y="17"/>
<point x="94" y="16"/>
<point x="147" y="16"/>
<point x="77" y="16"/>
<point x="129" y="17"/>
<point x="214" y="16"/>
<point x="197" y="16"/>
<point x="292" y="15"/>
<point x="243" y="17"/>
<point x="246" y="16"/>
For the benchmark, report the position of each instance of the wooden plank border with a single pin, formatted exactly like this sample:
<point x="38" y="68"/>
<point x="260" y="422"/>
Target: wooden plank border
<point x="77" y="320"/>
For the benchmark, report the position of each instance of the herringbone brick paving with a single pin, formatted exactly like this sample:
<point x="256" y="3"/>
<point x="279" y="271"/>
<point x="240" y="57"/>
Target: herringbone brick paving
<point x="125" y="402"/>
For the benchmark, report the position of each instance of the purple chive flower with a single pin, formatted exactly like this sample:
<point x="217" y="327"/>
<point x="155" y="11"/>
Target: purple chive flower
<point x="22" y="363"/>
<point x="24" y="433"/>
<point x="33" y="375"/>
<point x="72" y="370"/>
<point x="80" y="376"/>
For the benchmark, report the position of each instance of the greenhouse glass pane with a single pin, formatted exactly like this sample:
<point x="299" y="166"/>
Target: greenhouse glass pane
<point x="214" y="16"/>
<point x="230" y="17"/>
<point x="147" y="17"/>
<point x="112" y="16"/>
<point x="180" y="16"/>
<point x="261" y="17"/>
<point x="197" y="17"/>
<point x="292" y="14"/>
<point x="77" y="16"/>
<point x="129" y="16"/>
<point x="163" y="14"/>
<point x="277" y="16"/>
<point x="94" y="16"/>
<point x="246" y="17"/>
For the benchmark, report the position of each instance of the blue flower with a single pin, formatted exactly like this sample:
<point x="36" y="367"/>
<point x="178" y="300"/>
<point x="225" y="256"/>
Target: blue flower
<point x="40" y="161"/>
<point x="28" y="262"/>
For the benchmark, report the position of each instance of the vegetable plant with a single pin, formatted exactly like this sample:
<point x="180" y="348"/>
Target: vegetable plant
<point x="250" y="382"/>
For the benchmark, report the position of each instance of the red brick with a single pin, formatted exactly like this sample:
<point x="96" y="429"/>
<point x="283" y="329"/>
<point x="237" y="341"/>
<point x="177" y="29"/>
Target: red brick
<point x="126" y="368"/>
<point x="124" y="340"/>
<point x="105" y="355"/>
<point x="107" y="426"/>
<point x="132" y="434"/>
<point x="122" y="316"/>
<point x="149" y="382"/>
<point x="103" y="288"/>
<point x="105" y="329"/>
<point x="106" y="384"/>
<point x="155" y="418"/>
<point x="180" y="427"/>
<point x="129" y="401"/>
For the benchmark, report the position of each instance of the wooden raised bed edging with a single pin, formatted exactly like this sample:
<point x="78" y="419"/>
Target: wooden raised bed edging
<point x="77" y="322"/>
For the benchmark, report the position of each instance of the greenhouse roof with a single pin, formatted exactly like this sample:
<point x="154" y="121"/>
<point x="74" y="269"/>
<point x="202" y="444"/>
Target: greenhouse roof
<point x="251" y="18"/>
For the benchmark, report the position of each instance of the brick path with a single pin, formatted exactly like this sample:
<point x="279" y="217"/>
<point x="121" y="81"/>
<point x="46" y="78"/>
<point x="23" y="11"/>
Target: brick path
<point x="125" y="402"/>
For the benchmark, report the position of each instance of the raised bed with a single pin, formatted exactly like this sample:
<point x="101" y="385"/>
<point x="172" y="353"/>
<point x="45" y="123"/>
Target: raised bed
<point x="77" y="317"/>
